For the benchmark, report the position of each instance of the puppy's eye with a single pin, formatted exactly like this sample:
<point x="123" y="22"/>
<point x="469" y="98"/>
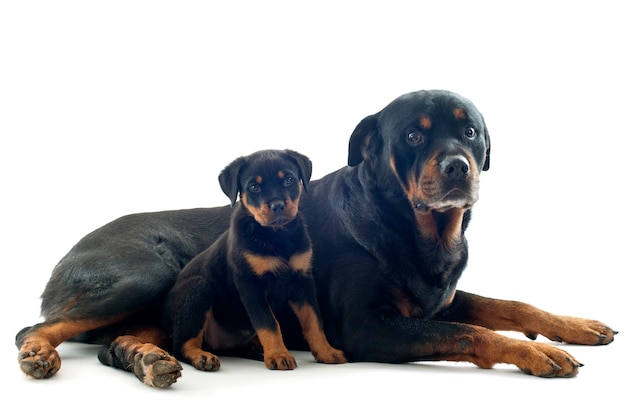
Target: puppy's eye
<point x="414" y="138"/>
<point x="254" y="188"/>
<point x="470" y="133"/>
<point x="288" y="181"/>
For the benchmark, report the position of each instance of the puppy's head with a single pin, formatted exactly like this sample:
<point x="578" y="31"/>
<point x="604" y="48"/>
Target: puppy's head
<point x="434" y="142"/>
<point x="269" y="184"/>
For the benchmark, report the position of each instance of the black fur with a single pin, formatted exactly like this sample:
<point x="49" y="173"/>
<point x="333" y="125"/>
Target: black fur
<point x="389" y="248"/>
<point x="222" y="294"/>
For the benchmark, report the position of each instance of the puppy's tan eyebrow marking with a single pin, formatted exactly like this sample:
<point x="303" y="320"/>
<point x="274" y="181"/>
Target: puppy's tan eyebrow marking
<point x="459" y="113"/>
<point x="281" y="174"/>
<point x="259" y="179"/>
<point x="425" y="121"/>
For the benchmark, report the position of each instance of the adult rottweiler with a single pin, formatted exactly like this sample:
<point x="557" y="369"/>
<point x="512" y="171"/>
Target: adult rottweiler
<point x="389" y="248"/>
<point x="225" y="297"/>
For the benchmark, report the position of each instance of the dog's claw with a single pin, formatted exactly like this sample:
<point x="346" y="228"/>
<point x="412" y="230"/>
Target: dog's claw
<point x="281" y="362"/>
<point x="207" y="362"/>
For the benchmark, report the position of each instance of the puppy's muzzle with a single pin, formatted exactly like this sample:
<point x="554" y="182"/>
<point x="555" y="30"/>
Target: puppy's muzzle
<point x="277" y="207"/>
<point x="277" y="213"/>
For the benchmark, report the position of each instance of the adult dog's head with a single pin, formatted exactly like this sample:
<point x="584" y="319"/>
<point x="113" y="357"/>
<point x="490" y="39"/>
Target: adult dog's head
<point x="269" y="183"/>
<point x="434" y="142"/>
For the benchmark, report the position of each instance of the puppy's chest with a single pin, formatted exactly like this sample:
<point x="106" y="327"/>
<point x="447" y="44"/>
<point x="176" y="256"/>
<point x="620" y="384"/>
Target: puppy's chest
<point x="262" y="264"/>
<point x="280" y="252"/>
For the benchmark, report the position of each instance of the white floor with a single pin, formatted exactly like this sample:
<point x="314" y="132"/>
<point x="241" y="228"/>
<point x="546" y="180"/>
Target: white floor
<point x="246" y="384"/>
<point x="129" y="106"/>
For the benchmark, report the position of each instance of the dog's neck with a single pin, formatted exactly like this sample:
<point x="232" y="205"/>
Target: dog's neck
<point x="445" y="227"/>
<point x="283" y="239"/>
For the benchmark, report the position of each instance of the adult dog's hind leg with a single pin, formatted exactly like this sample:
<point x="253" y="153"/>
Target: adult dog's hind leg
<point x="139" y="353"/>
<point x="37" y="354"/>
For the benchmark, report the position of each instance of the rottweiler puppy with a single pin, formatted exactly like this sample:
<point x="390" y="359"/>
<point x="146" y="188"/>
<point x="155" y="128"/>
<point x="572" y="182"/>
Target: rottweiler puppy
<point x="227" y="296"/>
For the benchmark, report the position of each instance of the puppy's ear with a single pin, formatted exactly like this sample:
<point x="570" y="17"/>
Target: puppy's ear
<point x="361" y="139"/>
<point x="305" y="167"/>
<point x="229" y="179"/>
<point x="488" y="148"/>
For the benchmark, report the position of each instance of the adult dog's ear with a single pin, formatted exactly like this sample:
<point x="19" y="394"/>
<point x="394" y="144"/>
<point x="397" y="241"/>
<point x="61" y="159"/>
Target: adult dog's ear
<point x="488" y="148"/>
<point x="229" y="179"/>
<point x="362" y="138"/>
<point x="305" y="167"/>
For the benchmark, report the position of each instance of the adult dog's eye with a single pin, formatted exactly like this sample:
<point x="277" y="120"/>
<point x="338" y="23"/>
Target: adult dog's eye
<point x="254" y="188"/>
<point x="288" y="181"/>
<point x="414" y="138"/>
<point x="470" y="133"/>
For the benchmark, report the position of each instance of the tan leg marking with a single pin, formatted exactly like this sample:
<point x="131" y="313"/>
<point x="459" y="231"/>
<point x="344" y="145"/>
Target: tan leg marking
<point x="275" y="353"/>
<point x="315" y="336"/>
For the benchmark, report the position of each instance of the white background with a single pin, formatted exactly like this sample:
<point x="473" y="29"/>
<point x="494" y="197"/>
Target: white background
<point x="109" y="108"/>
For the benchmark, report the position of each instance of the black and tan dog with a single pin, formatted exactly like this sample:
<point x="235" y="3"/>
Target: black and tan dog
<point x="226" y="296"/>
<point x="388" y="233"/>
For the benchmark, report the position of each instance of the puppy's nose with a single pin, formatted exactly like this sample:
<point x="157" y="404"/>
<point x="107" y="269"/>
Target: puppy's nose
<point x="455" y="167"/>
<point x="277" y="207"/>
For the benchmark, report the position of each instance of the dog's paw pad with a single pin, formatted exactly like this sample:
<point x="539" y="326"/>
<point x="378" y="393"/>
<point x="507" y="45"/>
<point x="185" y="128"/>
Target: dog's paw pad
<point x="157" y="369"/>
<point x="39" y="360"/>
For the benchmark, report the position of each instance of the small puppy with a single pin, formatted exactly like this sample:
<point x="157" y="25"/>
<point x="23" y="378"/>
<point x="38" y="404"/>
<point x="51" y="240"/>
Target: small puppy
<point x="225" y="298"/>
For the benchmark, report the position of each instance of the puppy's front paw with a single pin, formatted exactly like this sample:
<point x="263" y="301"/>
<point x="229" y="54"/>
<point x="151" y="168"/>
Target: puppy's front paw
<point x="331" y="355"/>
<point x="280" y="361"/>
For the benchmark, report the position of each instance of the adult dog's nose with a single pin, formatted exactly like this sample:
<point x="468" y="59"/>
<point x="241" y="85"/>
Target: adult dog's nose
<point x="455" y="167"/>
